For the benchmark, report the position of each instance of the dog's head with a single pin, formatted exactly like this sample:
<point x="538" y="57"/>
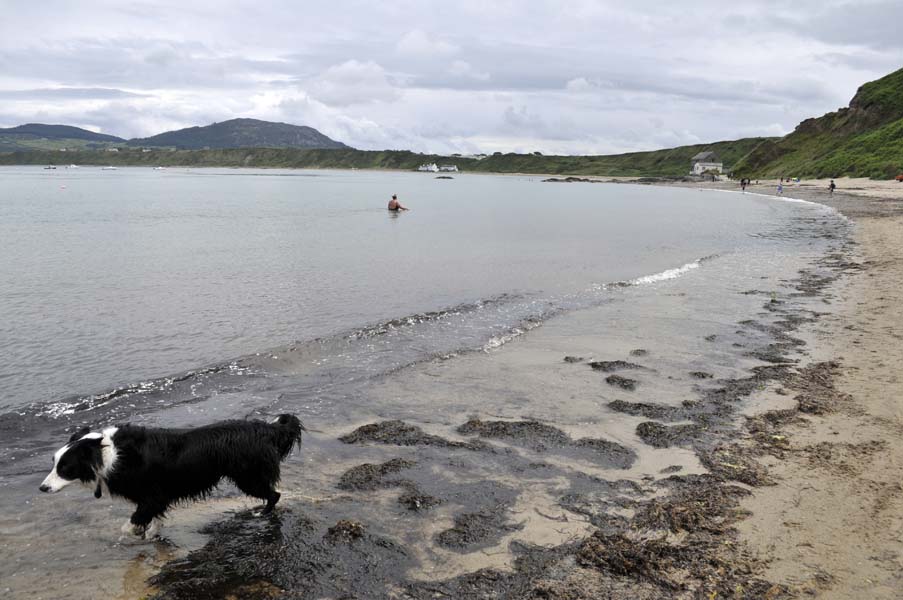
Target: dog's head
<point x="79" y="460"/>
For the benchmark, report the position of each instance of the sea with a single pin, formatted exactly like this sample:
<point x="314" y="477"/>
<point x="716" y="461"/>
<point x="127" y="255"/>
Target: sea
<point x="175" y="297"/>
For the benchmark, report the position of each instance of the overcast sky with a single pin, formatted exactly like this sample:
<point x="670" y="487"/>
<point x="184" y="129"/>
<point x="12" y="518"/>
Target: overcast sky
<point x="569" y="77"/>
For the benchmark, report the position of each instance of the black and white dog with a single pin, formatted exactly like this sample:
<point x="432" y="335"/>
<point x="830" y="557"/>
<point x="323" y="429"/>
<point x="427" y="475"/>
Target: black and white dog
<point x="155" y="468"/>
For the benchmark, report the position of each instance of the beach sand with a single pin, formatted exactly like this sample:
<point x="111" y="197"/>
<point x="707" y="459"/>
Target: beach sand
<point x="833" y="524"/>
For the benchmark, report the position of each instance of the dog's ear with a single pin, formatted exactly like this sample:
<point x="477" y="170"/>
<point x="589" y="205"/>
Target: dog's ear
<point x="79" y="434"/>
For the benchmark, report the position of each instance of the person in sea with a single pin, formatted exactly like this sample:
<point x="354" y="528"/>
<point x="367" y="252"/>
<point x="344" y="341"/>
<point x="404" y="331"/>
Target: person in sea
<point x="831" y="187"/>
<point x="395" y="205"/>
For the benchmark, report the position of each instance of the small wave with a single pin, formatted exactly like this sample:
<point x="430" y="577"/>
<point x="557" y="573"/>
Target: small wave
<point x="656" y="277"/>
<point x="71" y="406"/>
<point x="486" y="325"/>
<point x="430" y="316"/>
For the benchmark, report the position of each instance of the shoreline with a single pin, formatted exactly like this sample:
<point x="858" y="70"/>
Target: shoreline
<point x="668" y="532"/>
<point x="832" y="525"/>
<point x="619" y="534"/>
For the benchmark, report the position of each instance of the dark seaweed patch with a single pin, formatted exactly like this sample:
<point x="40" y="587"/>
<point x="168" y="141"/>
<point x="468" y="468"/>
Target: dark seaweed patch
<point x="663" y="436"/>
<point x="540" y="437"/>
<point x="477" y="530"/>
<point x="660" y="412"/>
<point x="625" y="383"/>
<point x="371" y="477"/>
<point x="399" y="433"/>
<point x="609" y="366"/>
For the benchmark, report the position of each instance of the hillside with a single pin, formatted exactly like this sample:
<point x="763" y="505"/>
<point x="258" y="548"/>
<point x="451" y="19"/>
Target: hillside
<point x="671" y="162"/>
<point x="37" y="136"/>
<point x="862" y="140"/>
<point x="240" y="133"/>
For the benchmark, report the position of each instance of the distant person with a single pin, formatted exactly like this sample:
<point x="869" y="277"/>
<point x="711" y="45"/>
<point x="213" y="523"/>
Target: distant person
<point x="781" y="187"/>
<point x="395" y="205"/>
<point x="743" y="184"/>
<point x="831" y="187"/>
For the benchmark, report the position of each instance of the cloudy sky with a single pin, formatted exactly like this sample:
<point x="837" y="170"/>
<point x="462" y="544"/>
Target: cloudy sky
<point x="569" y="77"/>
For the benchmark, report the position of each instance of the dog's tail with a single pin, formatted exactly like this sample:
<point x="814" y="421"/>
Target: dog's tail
<point x="288" y="433"/>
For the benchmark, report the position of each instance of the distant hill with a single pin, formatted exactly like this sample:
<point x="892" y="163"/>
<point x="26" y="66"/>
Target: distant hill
<point x="863" y="140"/>
<point x="241" y="133"/>
<point x="673" y="162"/>
<point x="37" y="136"/>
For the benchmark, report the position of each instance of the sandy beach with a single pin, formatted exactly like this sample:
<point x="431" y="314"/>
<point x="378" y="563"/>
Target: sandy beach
<point x="832" y="525"/>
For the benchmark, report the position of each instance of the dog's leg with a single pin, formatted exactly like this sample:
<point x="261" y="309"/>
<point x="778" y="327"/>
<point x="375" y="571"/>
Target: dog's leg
<point x="271" y="502"/>
<point x="259" y="489"/>
<point x="141" y="519"/>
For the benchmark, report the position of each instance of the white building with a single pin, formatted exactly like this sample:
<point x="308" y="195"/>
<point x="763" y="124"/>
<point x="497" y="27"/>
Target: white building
<point x="705" y="161"/>
<point x="429" y="168"/>
<point x="449" y="168"/>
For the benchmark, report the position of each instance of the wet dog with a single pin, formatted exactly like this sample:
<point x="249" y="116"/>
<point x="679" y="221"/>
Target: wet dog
<point x="155" y="468"/>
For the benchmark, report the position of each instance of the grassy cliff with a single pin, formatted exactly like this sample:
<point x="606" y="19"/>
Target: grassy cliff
<point x="862" y="140"/>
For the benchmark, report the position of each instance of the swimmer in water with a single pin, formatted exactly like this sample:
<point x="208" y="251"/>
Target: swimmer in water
<point x="395" y="205"/>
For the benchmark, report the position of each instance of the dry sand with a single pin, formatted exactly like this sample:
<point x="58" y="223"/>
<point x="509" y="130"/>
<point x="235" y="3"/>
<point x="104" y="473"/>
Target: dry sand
<point x="833" y="525"/>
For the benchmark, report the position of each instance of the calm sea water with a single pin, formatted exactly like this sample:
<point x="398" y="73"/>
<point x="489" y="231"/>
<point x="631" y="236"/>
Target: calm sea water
<point x="180" y="297"/>
<point x="112" y="279"/>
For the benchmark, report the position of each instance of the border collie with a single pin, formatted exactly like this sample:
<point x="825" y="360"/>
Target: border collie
<point x="155" y="468"/>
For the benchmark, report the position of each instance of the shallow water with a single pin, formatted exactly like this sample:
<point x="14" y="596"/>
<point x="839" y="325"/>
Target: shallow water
<point x="181" y="297"/>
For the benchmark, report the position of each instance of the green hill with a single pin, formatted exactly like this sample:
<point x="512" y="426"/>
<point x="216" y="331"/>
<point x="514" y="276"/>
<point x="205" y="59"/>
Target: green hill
<point x="672" y="162"/>
<point x="37" y="136"/>
<point x="240" y="133"/>
<point x="863" y="140"/>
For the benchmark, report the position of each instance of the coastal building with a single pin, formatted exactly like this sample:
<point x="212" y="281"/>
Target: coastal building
<point x="705" y="161"/>
<point x="429" y="168"/>
<point x="449" y="168"/>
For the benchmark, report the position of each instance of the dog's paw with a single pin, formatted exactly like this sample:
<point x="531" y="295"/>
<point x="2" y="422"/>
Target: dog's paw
<point x="129" y="528"/>
<point x="153" y="530"/>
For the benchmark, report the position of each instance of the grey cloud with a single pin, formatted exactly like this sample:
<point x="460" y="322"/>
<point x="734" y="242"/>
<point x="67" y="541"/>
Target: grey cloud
<point x="67" y="93"/>
<point x="603" y="75"/>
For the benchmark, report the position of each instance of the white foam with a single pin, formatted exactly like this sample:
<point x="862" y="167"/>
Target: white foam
<point x="665" y="275"/>
<point x="782" y="198"/>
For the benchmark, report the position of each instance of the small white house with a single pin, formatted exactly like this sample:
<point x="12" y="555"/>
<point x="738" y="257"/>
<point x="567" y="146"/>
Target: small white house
<point x="429" y="168"/>
<point x="705" y="161"/>
<point x="448" y="168"/>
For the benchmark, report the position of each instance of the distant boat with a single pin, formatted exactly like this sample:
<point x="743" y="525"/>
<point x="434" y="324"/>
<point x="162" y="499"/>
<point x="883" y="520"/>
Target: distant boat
<point x="428" y="168"/>
<point x="108" y="168"/>
<point x="159" y="168"/>
<point x="72" y="167"/>
<point x="49" y="167"/>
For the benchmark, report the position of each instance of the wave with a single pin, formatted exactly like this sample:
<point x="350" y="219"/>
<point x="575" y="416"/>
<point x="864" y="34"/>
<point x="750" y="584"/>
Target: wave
<point x="361" y="353"/>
